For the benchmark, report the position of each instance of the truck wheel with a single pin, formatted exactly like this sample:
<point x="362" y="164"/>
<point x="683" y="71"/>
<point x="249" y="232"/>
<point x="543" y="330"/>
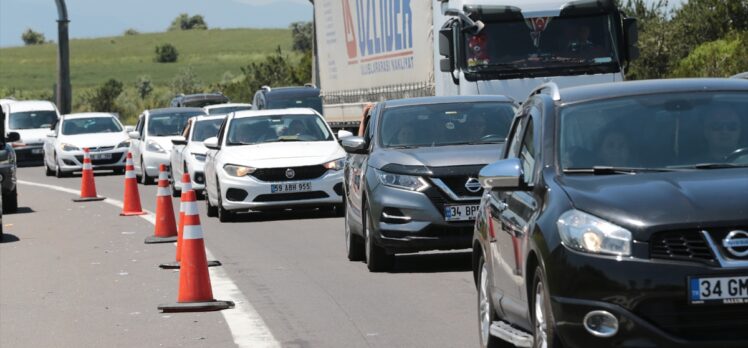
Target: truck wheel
<point x="10" y="201"/>
<point x="377" y="259"/>
<point x="354" y="246"/>
<point x="486" y="313"/>
<point x="542" y="317"/>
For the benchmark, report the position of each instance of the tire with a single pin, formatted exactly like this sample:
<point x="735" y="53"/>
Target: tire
<point x="486" y="313"/>
<point x="223" y="214"/>
<point x="340" y="210"/>
<point x="542" y="317"/>
<point x="10" y="201"/>
<point x="211" y="211"/>
<point x="354" y="245"/>
<point x="144" y="178"/>
<point x="58" y="172"/>
<point x="377" y="258"/>
<point x="47" y="170"/>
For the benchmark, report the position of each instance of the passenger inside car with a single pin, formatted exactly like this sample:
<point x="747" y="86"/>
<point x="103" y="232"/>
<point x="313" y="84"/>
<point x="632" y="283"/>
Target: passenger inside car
<point x="614" y="148"/>
<point x="722" y="131"/>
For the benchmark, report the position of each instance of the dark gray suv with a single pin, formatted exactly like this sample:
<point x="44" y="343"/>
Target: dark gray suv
<point x="411" y="179"/>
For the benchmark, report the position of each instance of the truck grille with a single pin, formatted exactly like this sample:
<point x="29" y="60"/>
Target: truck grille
<point x="279" y="174"/>
<point x="681" y="246"/>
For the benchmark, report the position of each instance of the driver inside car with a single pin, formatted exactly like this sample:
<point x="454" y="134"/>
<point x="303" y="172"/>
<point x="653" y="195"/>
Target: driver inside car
<point x="722" y="130"/>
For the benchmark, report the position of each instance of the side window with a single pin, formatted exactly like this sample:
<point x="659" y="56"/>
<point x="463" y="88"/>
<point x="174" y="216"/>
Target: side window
<point x="516" y="135"/>
<point x="221" y="130"/>
<point x="141" y="124"/>
<point x="527" y="153"/>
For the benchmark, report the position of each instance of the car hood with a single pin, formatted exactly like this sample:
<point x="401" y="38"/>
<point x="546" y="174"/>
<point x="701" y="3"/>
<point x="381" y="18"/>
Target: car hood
<point x="439" y="156"/>
<point x="32" y="136"/>
<point x="94" y="139"/>
<point x="273" y="155"/>
<point x="649" y="202"/>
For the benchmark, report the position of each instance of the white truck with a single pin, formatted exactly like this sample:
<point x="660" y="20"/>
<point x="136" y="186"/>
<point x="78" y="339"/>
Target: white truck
<point x="372" y="50"/>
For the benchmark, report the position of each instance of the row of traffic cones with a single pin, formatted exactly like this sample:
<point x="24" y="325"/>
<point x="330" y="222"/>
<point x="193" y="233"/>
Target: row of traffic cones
<point x="195" y="291"/>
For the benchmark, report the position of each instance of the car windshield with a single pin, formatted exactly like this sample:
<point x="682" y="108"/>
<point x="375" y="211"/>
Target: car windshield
<point x="228" y="109"/>
<point x="90" y="125"/>
<point x="169" y="124"/>
<point x="543" y="43"/>
<point x="32" y="119"/>
<point x="282" y="102"/>
<point x="276" y="128"/>
<point x="206" y="129"/>
<point x="445" y="124"/>
<point x="676" y="130"/>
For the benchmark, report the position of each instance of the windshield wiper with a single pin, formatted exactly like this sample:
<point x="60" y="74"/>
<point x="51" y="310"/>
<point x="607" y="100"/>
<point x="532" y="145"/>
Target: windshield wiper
<point x="607" y="170"/>
<point x="284" y="139"/>
<point x="715" y="166"/>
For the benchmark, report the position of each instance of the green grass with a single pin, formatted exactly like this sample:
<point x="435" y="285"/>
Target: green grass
<point x="211" y="53"/>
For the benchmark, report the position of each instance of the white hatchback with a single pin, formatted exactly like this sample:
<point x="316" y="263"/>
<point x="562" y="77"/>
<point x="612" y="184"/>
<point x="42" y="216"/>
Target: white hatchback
<point x="101" y="133"/>
<point x="273" y="159"/>
<point x="32" y="120"/>
<point x="188" y="153"/>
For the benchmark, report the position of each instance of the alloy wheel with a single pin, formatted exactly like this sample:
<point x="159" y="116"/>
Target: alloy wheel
<point x="541" y="326"/>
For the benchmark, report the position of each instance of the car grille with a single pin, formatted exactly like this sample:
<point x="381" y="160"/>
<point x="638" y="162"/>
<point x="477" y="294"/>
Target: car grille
<point x="681" y="246"/>
<point x="279" y="197"/>
<point x="439" y="199"/>
<point x="116" y="157"/>
<point x="279" y="174"/>
<point x="100" y="149"/>
<point x="696" y="322"/>
<point x="457" y="185"/>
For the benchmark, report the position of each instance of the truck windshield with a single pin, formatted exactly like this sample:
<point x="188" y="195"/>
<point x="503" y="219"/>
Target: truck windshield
<point x="206" y="129"/>
<point x="90" y="125"/>
<point x="445" y="124"/>
<point x="277" y="128"/>
<point x="282" y="102"/>
<point x="548" y="44"/>
<point x="32" y="119"/>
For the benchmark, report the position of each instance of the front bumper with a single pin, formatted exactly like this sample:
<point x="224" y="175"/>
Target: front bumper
<point x="73" y="161"/>
<point x="407" y="221"/>
<point x="197" y="174"/>
<point x="152" y="161"/>
<point x="249" y="193"/>
<point x="30" y="153"/>
<point x="649" y="298"/>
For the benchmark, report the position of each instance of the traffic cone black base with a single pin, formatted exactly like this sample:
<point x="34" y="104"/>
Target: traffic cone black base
<point x="196" y="306"/>
<point x="89" y="199"/>
<point x="154" y="239"/>
<point x="175" y="265"/>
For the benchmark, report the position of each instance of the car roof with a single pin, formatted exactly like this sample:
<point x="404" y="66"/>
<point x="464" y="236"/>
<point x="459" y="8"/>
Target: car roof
<point x="31" y="105"/>
<point x="209" y="118"/>
<point x="87" y="115"/>
<point x="447" y="99"/>
<point x="644" y="87"/>
<point x="271" y="112"/>
<point x="174" y="110"/>
<point x="223" y="105"/>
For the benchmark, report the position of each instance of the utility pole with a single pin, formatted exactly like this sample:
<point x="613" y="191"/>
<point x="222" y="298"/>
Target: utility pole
<point x="64" y="92"/>
<point x="315" y="62"/>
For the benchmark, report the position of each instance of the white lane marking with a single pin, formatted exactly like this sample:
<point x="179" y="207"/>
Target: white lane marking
<point x="245" y="324"/>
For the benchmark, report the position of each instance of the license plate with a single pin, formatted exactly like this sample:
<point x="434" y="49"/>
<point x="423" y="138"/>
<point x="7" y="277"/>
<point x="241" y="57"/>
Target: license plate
<point x="101" y="156"/>
<point x="724" y="290"/>
<point x="291" y="187"/>
<point x="460" y="212"/>
<point x="37" y="151"/>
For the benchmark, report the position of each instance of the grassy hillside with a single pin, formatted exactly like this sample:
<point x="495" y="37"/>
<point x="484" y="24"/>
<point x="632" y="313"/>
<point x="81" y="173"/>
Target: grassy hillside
<point x="211" y="53"/>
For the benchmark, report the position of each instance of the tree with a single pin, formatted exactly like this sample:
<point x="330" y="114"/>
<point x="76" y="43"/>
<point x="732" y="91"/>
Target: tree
<point x="719" y="58"/>
<point x="166" y="53"/>
<point x="143" y="86"/>
<point x="185" y="22"/>
<point x="701" y="21"/>
<point x="655" y="39"/>
<point x="103" y="97"/>
<point x="31" y="37"/>
<point x="303" y="34"/>
<point x="131" y="31"/>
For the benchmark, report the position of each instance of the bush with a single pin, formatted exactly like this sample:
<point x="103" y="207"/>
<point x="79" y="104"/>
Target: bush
<point x="143" y="86"/>
<point x="719" y="58"/>
<point x="302" y="33"/>
<point x="166" y="53"/>
<point x="131" y="32"/>
<point x="185" y="22"/>
<point x="31" y="37"/>
<point x="102" y="99"/>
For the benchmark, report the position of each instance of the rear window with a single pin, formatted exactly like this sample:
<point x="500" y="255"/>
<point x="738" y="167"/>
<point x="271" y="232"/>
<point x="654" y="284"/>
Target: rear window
<point x="32" y="119"/>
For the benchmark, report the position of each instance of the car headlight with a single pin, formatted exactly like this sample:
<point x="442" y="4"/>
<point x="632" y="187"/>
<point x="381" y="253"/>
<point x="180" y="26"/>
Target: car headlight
<point x="69" y="147"/>
<point x="153" y="146"/>
<point x="234" y="170"/>
<point x="337" y="164"/>
<point x="584" y="232"/>
<point x="401" y="181"/>
<point x="199" y="156"/>
<point x="125" y="143"/>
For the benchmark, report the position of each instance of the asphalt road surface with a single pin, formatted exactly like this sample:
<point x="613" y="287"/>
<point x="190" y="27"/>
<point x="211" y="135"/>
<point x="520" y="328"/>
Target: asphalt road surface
<point x="79" y="275"/>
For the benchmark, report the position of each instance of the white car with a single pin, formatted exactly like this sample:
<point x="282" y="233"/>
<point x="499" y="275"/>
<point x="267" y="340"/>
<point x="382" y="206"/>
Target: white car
<point x="151" y="140"/>
<point x="223" y="109"/>
<point x="188" y="153"/>
<point x="32" y="120"/>
<point x="101" y="133"/>
<point x="273" y="159"/>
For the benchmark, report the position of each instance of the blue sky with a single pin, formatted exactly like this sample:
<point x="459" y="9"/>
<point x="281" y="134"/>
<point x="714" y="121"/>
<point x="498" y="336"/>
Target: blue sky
<point x="95" y="18"/>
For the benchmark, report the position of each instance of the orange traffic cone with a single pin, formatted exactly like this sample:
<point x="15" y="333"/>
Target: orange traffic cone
<point x="88" y="185"/>
<point x="131" y="204"/>
<point x="195" y="292"/>
<point x="186" y="186"/>
<point x="165" y="228"/>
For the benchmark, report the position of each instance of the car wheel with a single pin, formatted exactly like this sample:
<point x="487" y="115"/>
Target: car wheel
<point x="144" y="178"/>
<point x="212" y="211"/>
<point x="58" y="172"/>
<point x="542" y="317"/>
<point x="377" y="259"/>
<point x="486" y="313"/>
<point x="47" y="170"/>
<point x="223" y="214"/>
<point x="354" y="246"/>
<point x="10" y="201"/>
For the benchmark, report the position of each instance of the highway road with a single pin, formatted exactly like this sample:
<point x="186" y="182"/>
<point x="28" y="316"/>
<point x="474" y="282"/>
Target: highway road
<point x="78" y="274"/>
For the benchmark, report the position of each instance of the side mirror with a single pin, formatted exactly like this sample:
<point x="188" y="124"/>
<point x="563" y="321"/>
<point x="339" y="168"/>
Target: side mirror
<point x="631" y="32"/>
<point x="51" y="134"/>
<point x="129" y="129"/>
<point x="12" y="137"/>
<point x="344" y="134"/>
<point x="355" y="145"/>
<point x="504" y="175"/>
<point x="212" y="143"/>
<point x="133" y="135"/>
<point x="179" y="141"/>
<point x="446" y="48"/>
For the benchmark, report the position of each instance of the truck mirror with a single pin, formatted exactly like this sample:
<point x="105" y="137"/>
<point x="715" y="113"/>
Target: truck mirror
<point x="631" y="32"/>
<point x="446" y="47"/>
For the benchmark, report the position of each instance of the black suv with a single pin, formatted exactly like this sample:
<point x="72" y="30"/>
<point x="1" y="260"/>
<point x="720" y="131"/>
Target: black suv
<point x="198" y="100"/>
<point x="618" y="217"/>
<point x="306" y="96"/>
<point x="9" y="197"/>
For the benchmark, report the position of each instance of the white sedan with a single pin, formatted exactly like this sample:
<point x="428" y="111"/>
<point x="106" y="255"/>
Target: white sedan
<point x="273" y="159"/>
<point x="188" y="153"/>
<point x="101" y="133"/>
